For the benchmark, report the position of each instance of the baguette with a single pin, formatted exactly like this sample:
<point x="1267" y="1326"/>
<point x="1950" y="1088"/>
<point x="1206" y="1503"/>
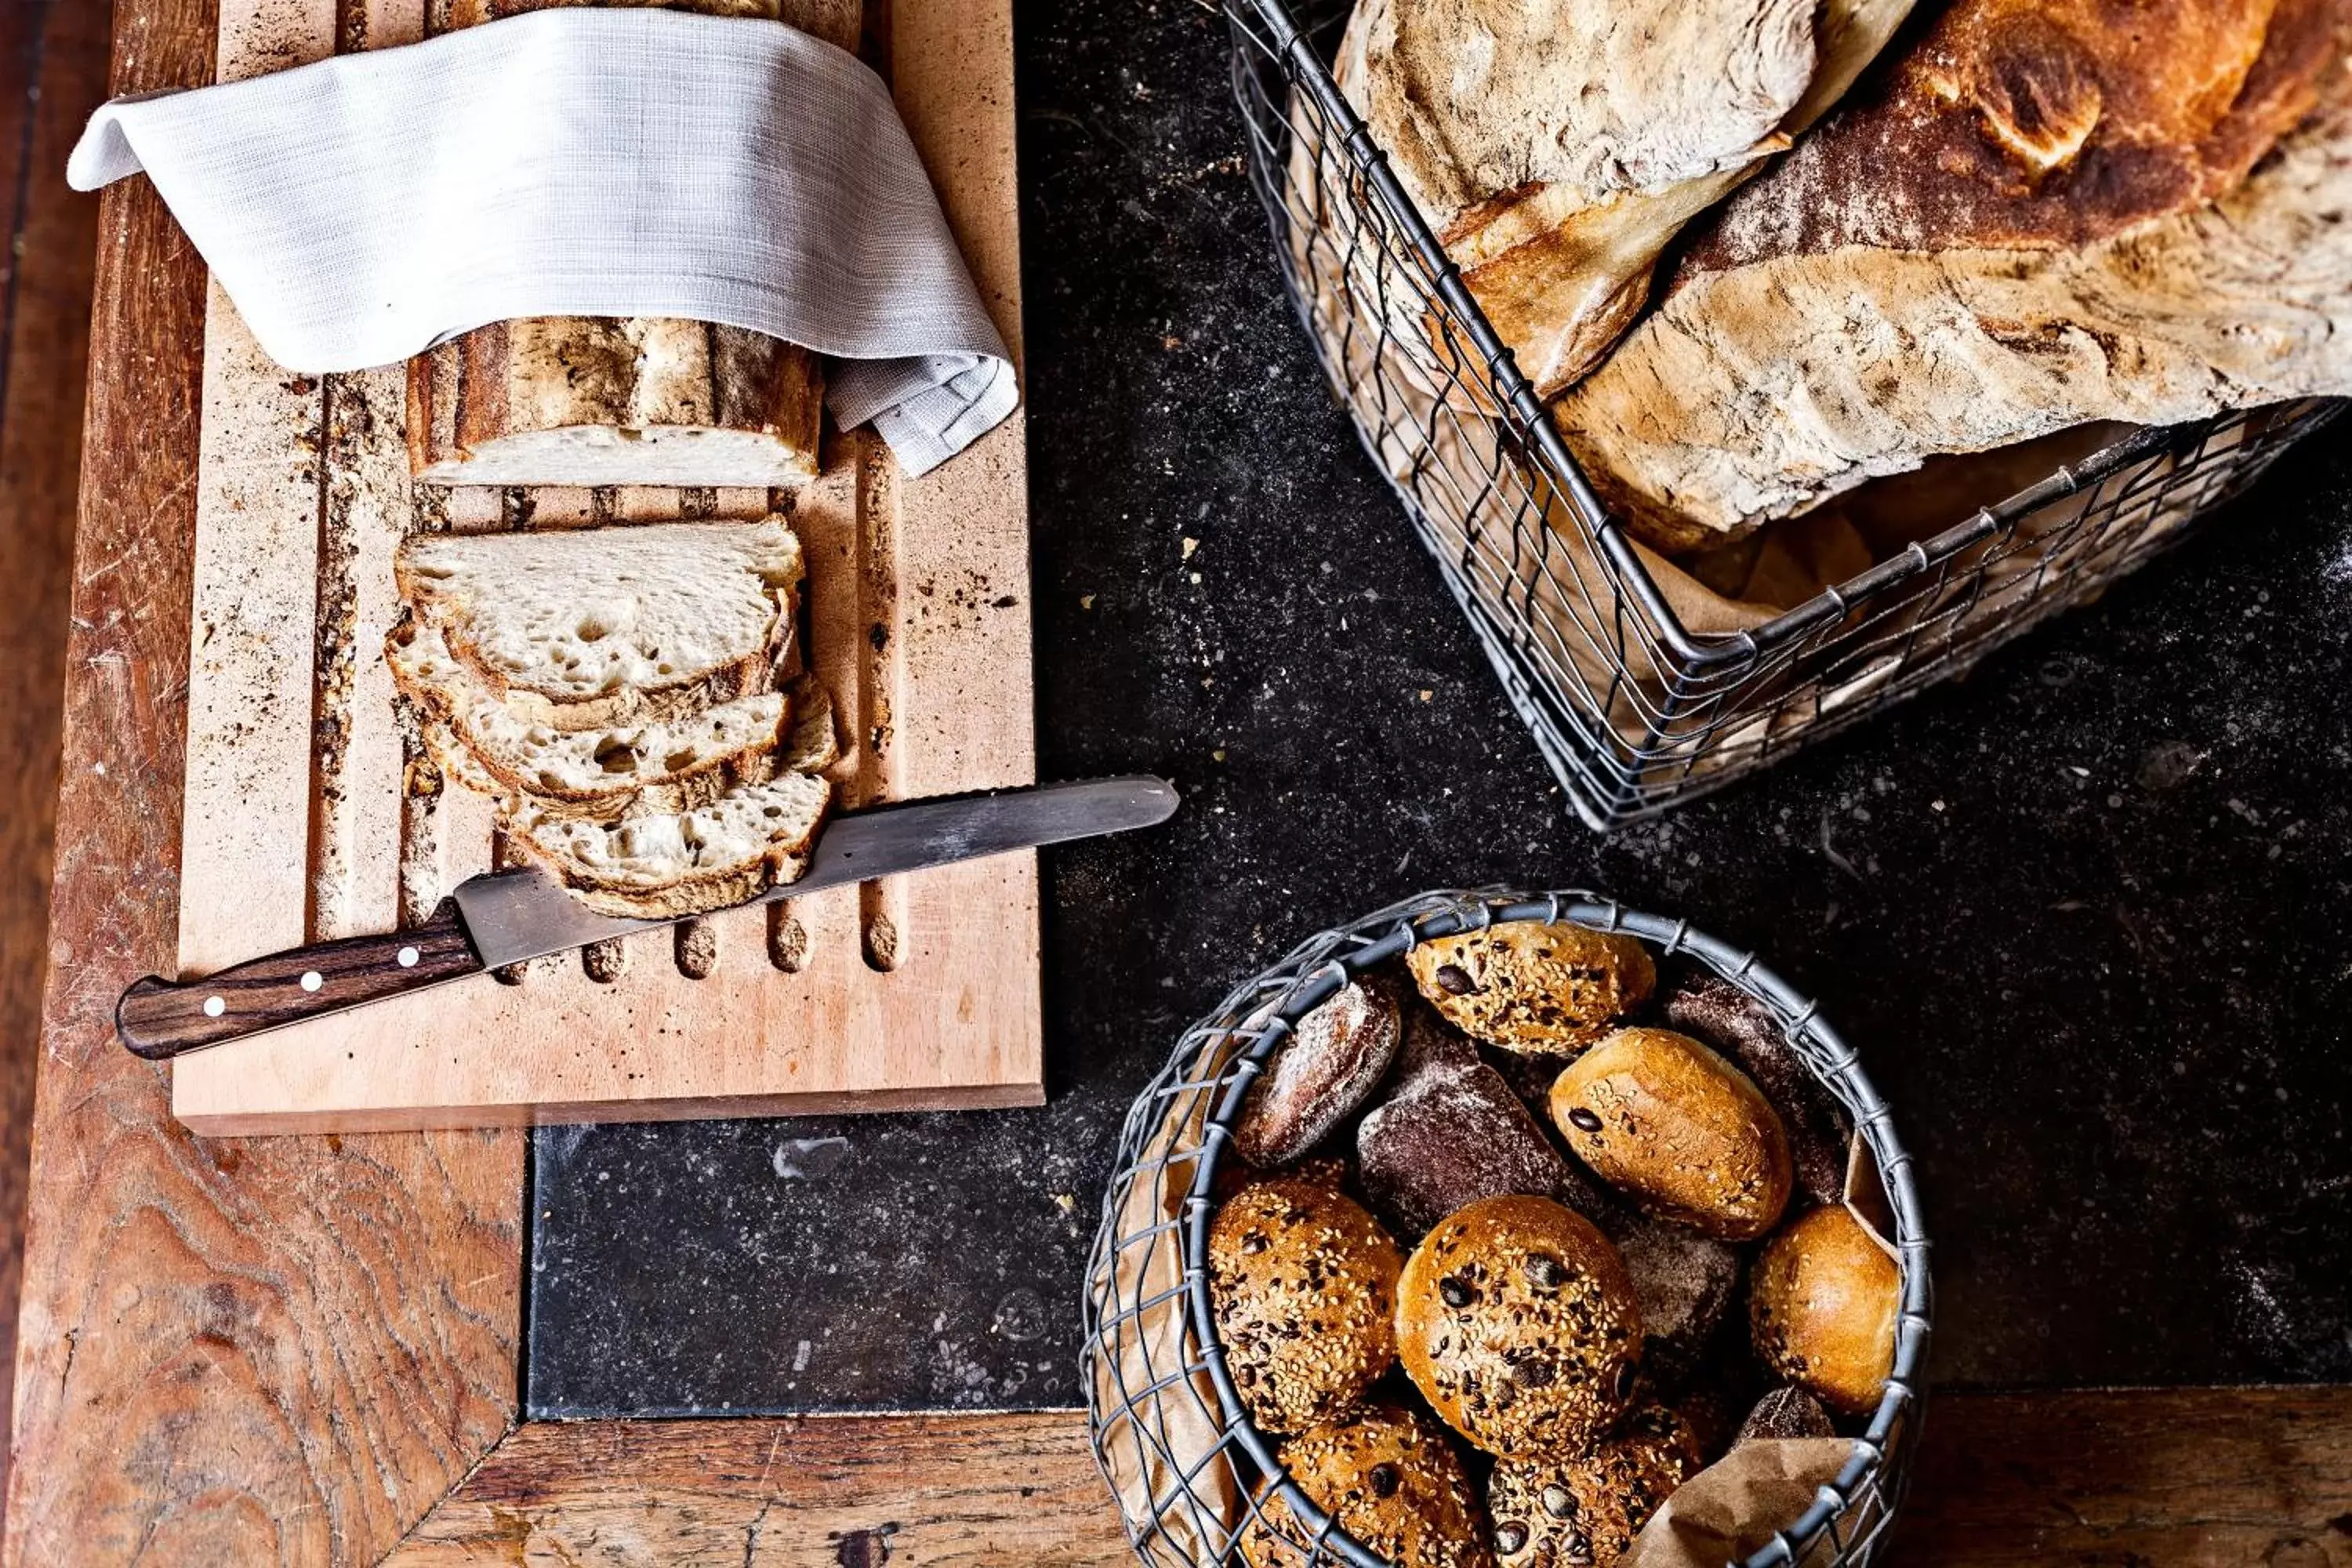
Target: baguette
<point x="592" y="400"/>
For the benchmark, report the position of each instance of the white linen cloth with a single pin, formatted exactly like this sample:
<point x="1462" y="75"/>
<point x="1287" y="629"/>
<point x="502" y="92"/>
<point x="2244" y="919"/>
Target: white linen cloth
<point x="580" y="163"/>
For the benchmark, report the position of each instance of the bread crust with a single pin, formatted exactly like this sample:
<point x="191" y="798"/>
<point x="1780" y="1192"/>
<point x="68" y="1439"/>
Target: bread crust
<point x="1760" y="391"/>
<point x="2040" y="125"/>
<point x="1557" y="146"/>
<point x="607" y="400"/>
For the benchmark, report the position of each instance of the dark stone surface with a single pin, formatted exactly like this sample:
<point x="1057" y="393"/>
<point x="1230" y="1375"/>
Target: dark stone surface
<point x="2085" y="913"/>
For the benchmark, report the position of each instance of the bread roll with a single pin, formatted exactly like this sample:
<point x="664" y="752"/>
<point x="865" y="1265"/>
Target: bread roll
<point x="1662" y="1118"/>
<point x="1517" y="1322"/>
<point x="1587" y="1505"/>
<point x="1823" y="1301"/>
<point x="1556" y="145"/>
<point x="1303" y="1284"/>
<point x="2041" y="215"/>
<point x="1390" y="1478"/>
<point x="1531" y="985"/>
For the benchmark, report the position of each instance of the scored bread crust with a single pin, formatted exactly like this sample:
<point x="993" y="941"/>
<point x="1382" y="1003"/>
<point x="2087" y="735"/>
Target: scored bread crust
<point x="1760" y="391"/>
<point x="592" y="400"/>
<point x="595" y="400"/>
<point x="2040" y="125"/>
<point x="632" y="869"/>
<point x="464" y="586"/>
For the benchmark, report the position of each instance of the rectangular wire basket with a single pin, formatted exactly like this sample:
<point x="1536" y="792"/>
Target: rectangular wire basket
<point x="1639" y="693"/>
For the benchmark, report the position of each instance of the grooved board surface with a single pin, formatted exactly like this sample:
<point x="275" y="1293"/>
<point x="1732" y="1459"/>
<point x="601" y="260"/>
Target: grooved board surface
<point x="311" y="812"/>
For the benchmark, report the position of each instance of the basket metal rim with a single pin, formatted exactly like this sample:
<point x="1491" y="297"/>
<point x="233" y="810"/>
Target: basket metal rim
<point x="1449" y="912"/>
<point x="1696" y="652"/>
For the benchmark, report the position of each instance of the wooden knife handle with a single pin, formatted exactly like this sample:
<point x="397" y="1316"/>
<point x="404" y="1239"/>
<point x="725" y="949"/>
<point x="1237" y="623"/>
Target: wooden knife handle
<point x="160" y="1018"/>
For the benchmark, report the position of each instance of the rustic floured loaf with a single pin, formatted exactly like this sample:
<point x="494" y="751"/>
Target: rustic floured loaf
<point x="1556" y="146"/>
<point x="2013" y="230"/>
<point x="584" y="628"/>
<point x="592" y="400"/>
<point x="680" y="863"/>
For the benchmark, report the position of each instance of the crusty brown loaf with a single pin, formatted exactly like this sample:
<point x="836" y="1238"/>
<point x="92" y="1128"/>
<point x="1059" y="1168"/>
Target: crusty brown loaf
<point x="607" y="400"/>
<point x="1557" y="147"/>
<point x="2039" y="124"/>
<point x="1898" y="289"/>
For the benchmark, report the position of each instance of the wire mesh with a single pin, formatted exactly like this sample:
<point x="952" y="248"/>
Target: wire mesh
<point x="1634" y="709"/>
<point x="1192" y="1474"/>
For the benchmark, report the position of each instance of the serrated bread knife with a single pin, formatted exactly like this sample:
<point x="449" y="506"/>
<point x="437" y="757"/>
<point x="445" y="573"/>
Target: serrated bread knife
<point x="507" y="917"/>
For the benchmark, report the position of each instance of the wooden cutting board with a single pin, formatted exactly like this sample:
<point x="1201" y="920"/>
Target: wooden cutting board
<point x="310" y="813"/>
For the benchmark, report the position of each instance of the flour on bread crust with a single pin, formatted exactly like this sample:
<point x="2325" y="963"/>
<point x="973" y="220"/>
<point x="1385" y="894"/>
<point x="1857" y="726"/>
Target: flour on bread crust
<point x="1556" y="145"/>
<point x="1759" y="391"/>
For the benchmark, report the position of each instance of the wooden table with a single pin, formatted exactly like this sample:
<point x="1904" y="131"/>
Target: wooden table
<point x="306" y="1350"/>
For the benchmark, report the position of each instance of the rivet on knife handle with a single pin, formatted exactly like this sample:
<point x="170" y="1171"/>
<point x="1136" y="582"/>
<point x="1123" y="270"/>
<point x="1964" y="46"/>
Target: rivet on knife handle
<point x="160" y="1018"/>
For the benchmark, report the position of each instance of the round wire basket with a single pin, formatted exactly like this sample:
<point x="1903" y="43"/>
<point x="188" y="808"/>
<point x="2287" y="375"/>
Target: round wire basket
<point x="1190" y="1470"/>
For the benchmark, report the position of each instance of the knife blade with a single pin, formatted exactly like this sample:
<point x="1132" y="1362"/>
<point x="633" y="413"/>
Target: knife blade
<point x="511" y="916"/>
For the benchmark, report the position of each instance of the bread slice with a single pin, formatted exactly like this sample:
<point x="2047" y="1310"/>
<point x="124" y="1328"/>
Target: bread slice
<point x="589" y="767"/>
<point x="682" y="863"/>
<point x="579" y="629"/>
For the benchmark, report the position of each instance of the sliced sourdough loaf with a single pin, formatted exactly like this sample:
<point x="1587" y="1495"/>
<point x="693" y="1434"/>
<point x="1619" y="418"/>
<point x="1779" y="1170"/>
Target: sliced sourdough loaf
<point x="593" y="400"/>
<point x="2043" y="214"/>
<point x="581" y="629"/>
<point x="686" y="862"/>
<point x="1556" y="145"/>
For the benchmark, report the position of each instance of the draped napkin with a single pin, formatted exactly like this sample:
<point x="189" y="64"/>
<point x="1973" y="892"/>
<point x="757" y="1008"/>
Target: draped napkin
<point x="580" y="163"/>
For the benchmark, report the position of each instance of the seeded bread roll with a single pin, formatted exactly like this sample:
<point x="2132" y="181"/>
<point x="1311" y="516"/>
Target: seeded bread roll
<point x="1822" y="1302"/>
<point x="1303" y="1283"/>
<point x="1531" y="985"/>
<point x="1715" y="1011"/>
<point x="1517" y="1322"/>
<point x="1320" y="1075"/>
<point x="1659" y="1117"/>
<point x="1390" y="1478"/>
<point x="1587" y="1506"/>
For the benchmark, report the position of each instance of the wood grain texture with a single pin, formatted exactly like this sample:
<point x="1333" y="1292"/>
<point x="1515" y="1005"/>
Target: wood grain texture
<point x="2191" y="1477"/>
<point x="918" y="992"/>
<point x="52" y="73"/>
<point x="227" y="1354"/>
<point x="945" y="1491"/>
<point x="2155" y="1478"/>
